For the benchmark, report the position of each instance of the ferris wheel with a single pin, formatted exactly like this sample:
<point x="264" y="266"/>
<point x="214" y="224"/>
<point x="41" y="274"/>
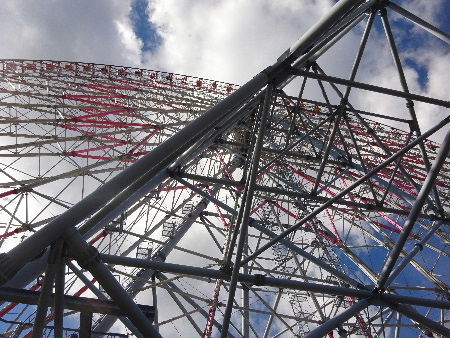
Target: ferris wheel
<point x="152" y="204"/>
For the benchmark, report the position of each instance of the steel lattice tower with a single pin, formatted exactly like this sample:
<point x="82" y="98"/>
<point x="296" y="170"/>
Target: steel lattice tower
<point x="165" y="205"/>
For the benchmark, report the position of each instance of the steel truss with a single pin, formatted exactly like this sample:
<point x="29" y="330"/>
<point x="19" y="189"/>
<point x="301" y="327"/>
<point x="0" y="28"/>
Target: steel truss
<point x="223" y="211"/>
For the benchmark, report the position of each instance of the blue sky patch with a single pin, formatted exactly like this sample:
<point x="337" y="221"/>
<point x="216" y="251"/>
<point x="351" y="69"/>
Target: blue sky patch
<point x="421" y="71"/>
<point x="142" y="26"/>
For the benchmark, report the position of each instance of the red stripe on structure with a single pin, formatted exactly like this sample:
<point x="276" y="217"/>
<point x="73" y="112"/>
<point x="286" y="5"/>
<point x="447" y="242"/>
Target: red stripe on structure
<point x="10" y="192"/>
<point x="11" y="233"/>
<point x="310" y="179"/>
<point x="111" y="123"/>
<point x="83" y="289"/>
<point x="258" y="207"/>
<point x="104" y="233"/>
<point x="77" y="152"/>
<point x="145" y="140"/>
<point x="110" y="112"/>
<point x="224" y="165"/>
<point x="224" y="222"/>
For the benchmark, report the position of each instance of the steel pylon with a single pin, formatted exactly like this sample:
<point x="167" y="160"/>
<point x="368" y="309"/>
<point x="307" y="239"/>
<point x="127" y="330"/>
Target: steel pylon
<point x="151" y="204"/>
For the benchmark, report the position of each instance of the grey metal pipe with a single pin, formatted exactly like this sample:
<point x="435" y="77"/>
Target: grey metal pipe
<point x="417" y="248"/>
<point x="144" y="169"/>
<point x="59" y="297"/>
<point x="422" y="320"/>
<point x="333" y="36"/>
<point x="87" y="257"/>
<point x="415" y="210"/>
<point x="420" y="22"/>
<point x="321" y="27"/>
<point x="101" y="296"/>
<point x="44" y="299"/>
<point x="270" y="281"/>
<point x="373" y="88"/>
<point x="345" y="191"/>
<point x="247" y="204"/>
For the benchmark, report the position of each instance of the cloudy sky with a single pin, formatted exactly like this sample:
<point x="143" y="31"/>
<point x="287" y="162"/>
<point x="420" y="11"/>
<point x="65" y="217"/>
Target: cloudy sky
<point x="225" y="40"/>
<point x="229" y="41"/>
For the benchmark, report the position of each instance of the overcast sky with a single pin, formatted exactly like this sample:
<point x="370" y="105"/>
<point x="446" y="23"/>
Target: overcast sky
<point x="229" y="41"/>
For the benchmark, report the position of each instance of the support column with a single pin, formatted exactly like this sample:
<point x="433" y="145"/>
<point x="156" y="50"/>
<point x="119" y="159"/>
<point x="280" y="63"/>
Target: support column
<point x="245" y="210"/>
<point x="88" y="258"/>
<point x="59" y="296"/>
<point x="85" y="324"/>
<point x="47" y="288"/>
<point x="155" y="302"/>
<point x="245" y="299"/>
<point x="409" y="103"/>
<point x="415" y="210"/>
<point x="338" y="196"/>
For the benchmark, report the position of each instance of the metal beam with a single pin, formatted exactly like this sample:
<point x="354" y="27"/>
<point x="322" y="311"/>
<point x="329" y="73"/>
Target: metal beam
<point x="344" y="192"/>
<point x="270" y="281"/>
<point x="74" y="303"/>
<point x="422" y="320"/>
<point x="244" y="212"/>
<point x="334" y="322"/>
<point x="129" y="180"/>
<point x="87" y="257"/>
<point x="46" y="290"/>
<point x="296" y="194"/>
<point x="441" y="157"/>
<point x="372" y="88"/>
<point x="420" y="22"/>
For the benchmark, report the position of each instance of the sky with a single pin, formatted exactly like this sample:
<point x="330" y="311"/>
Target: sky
<point x="225" y="40"/>
<point x="229" y="41"/>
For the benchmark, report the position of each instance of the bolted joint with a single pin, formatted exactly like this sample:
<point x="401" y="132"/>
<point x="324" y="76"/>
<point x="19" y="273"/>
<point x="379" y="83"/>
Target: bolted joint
<point x="260" y="280"/>
<point x="160" y="257"/>
<point x="377" y="290"/>
<point x="420" y="246"/>
<point x="90" y="255"/>
<point x="382" y="12"/>
<point x="227" y="268"/>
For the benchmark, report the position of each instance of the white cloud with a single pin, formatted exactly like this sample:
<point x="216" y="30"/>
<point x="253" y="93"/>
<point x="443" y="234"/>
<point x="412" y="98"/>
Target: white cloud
<point x="131" y="43"/>
<point x="66" y="30"/>
<point x="227" y="40"/>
